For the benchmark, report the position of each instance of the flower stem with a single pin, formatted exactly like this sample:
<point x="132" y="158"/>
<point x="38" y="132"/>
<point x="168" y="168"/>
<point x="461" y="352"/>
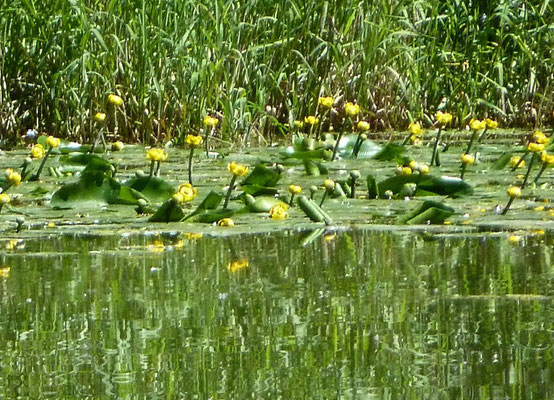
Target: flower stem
<point x="158" y="168"/>
<point x="36" y="175"/>
<point x="482" y="135"/>
<point x="543" y="168"/>
<point x="291" y="199"/>
<point x="463" y="171"/>
<point x="470" y="144"/>
<point x="528" y="170"/>
<point x="152" y="164"/>
<point x="505" y="210"/>
<point x="323" y="197"/>
<point x="231" y="185"/>
<point x="190" y="164"/>
<point x="206" y="140"/>
<point x="435" y="156"/>
<point x="336" y="147"/>
<point x="352" y="188"/>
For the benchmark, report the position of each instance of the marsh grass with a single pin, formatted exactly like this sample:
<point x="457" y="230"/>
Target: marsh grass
<point x="175" y="61"/>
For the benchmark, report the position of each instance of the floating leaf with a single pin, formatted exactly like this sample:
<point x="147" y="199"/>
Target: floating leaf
<point x="210" y="202"/>
<point x="372" y="187"/>
<point x="429" y="212"/>
<point x="94" y="188"/>
<point x="390" y="152"/>
<point x="312" y="210"/>
<point x="170" y="211"/>
<point x="444" y="185"/>
<point x="261" y="180"/>
<point x="314" y="168"/>
<point x="156" y="190"/>
<point x="261" y="204"/>
<point x="502" y="161"/>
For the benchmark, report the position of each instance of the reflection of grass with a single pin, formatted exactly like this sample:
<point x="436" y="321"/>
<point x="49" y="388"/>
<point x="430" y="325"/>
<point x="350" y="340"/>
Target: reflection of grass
<point x="175" y="60"/>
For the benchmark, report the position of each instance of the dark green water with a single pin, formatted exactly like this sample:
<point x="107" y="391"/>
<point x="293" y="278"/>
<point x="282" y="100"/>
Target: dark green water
<point x="361" y="315"/>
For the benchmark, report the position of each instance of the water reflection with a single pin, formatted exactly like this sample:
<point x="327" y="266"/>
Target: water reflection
<point x="356" y="314"/>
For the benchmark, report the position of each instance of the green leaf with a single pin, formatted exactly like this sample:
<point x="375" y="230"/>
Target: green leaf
<point x="372" y="187"/>
<point x="502" y="161"/>
<point x="390" y="152"/>
<point x="129" y="196"/>
<point x="429" y="212"/>
<point x="314" y="168"/>
<point x="444" y="185"/>
<point x="262" y="176"/>
<point x="209" y="216"/>
<point x="262" y="205"/>
<point x="156" y="190"/>
<point x="92" y="188"/>
<point x="170" y="211"/>
<point x="312" y="210"/>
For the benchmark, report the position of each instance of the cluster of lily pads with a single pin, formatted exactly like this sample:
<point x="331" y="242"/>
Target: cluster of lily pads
<point x="334" y="131"/>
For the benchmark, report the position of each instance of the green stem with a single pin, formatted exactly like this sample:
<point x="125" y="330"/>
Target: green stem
<point x="336" y="147"/>
<point x="291" y="199"/>
<point x="463" y="171"/>
<point x="435" y="156"/>
<point x="505" y="210"/>
<point x="152" y="164"/>
<point x="231" y="185"/>
<point x="206" y="139"/>
<point x="352" y="188"/>
<point x="405" y="142"/>
<point x="190" y="164"/>
<point x="528" y="170"/>
<point x="482" y="135"/>
<point x="36" y="175"/>
<point x="158" y="168"/>
<point x="470" y="144"/>
<point x="543" y="168"/>
<point x="323" y="198"/>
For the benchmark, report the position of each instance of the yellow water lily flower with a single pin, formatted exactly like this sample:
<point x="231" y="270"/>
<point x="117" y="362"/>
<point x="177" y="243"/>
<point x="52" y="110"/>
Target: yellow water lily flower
<point x="477" y="125"/>
<point x="295" y="189"/>
<point x="326" y="102"/>
<point x="115" y="100"/>
<point x="4" y="199"/>
<point x="237" y="169"/>
<point x="362" y="126"/>
<point x="491" y="123"/>
<point x="415" y="128"/>
<point x="52" y="142"/>
<point x="118" y="146"/>
<point x="535" y="147"/>
<point x="178" y="198"/>
<point x="467" y="159"/>
<point x="279" y="211"/>
<point x="514" y="192"/>
<point x="193" y="140"/>
<point x="225" y="222"/>
<point x="13" y="177"/>
<point x="540" y="138"/>
<point x="443" y="118"/>
<point x="100" y="117"/>
<point x="210" y="121"/>
<point x="515" y="160"/>
<point x="156" y="154"/>
<point x="546" y="158"/>
<point x="237" y="265"/>
<point x="188" y="192"/>
<point x="311" y="120"/>
<point x="351" y="109"/>
<point x="37" y="151"/>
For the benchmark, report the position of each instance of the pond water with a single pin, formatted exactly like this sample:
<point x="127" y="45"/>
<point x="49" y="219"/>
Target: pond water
<point x="353" y="314"/>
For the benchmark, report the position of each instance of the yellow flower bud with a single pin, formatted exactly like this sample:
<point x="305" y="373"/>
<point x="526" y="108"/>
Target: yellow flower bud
<point x="115" y="100"/>
<point x="535" y="147"/>
<point x="295" y="189"/>
<point x="514" y="192"/>
<point x="443" y="118"/>
<point x="477" y="125"/>
<point x="225" y="222"/>
<point x="4" y="198"/>
<point x="329" y="184"/>
<point x="13" y="177"/>
<point x="237" y="169"/>
<point x="362" y="126"/>
<point x="546" y="158"/>
<point x="539" y="137"/>
<point x="37" y="151"/>
<point x="351" y="109"/>
<point x="157" y="154"/>
<point x="52" y="142"/>
<point x="311" y="120"/>
<point x="415" y="129"/>
<point x="100" y="117"/>
<point x="279" y="211"/>
<point x="515" y="159"/>
<point x="491" y="124"/>
<point x="467" y="159"/>
<point x="117" y="146"/>
<point x="326" y="102"/>
<point x="193" y="140"/>
<point x="210" y="121"/>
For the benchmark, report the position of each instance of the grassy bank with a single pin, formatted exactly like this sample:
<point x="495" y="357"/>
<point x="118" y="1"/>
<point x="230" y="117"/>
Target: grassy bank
<point x="173" y="61"/>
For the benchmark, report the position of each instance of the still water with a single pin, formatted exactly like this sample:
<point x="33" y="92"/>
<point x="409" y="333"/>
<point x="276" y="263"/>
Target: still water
<point x="357" y="314"/>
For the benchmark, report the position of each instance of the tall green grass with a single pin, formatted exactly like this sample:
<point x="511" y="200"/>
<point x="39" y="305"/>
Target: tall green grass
<point x="173" y="61"/>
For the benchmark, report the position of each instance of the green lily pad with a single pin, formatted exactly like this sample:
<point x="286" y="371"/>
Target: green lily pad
<point x="443" y="185"/>
<point x="156" y="190"/>
<point x="170" y="211"/>
<point x="91" y="188"/>
<point x="313" y="210"/>
<point x="314" y="168"/>
<point x="260" y="204"/>
<point x="429" y="212"/>
<point x="502" y="161"/>
<point x="390" y="152"/>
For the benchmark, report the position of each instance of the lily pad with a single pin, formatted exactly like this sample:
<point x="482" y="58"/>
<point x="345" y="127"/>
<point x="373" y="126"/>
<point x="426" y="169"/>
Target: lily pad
<point x="170" y="211"/>
<point x="313" y="210"/>
<point x="429" y="212"/>
<point x="390" y="152"/>
<point x="91" y="188"/>
<point x="156" y="190"/>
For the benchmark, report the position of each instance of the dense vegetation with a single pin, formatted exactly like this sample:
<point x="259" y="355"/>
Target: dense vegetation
<point x="174" y="61"/>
